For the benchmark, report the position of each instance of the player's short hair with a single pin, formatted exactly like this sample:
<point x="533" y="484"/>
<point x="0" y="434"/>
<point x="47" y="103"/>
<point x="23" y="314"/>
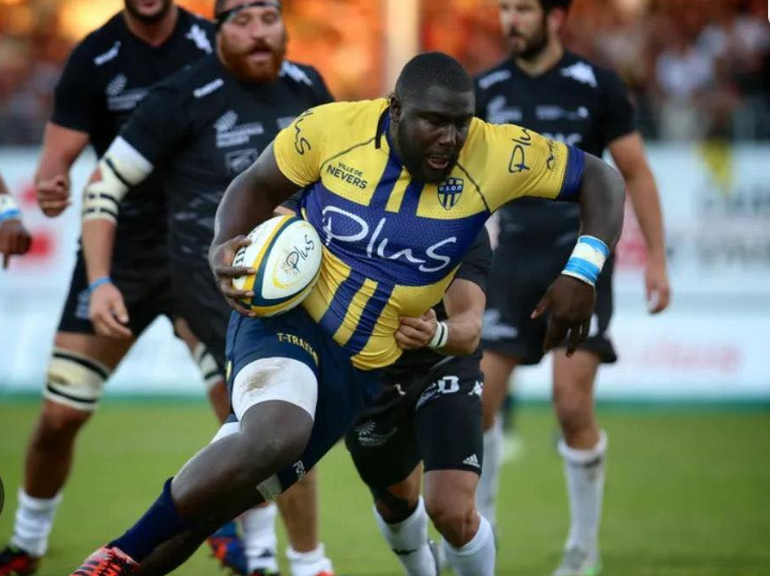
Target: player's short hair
<point x="549" y="5"/>
<point x="432" y="69"/>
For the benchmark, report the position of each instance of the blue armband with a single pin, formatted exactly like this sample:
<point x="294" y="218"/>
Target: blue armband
<point x="98" y="282"/>
<point x="587" y="259"/>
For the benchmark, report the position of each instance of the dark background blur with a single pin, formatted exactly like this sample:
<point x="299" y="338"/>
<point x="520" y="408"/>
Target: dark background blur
<point x="696" y="68"/>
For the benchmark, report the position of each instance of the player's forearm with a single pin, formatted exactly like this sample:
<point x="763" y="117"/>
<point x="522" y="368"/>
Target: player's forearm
<point x="98" y="239"/>
<point x="646" y="202"/>
<point x="61" y="147"/>
<point x="464" y="334"/>
<point x="602" y="197"/>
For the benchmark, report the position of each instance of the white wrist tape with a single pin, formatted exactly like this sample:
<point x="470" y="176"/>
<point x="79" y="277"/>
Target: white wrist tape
<point x="121" y="167"/>
<point x="440" y="337"/>
<point x="8" y="208"/>
<point x="587" y="259"/>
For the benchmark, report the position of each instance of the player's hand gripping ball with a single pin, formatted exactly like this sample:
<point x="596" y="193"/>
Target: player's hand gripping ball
<point x="286" y="253"/>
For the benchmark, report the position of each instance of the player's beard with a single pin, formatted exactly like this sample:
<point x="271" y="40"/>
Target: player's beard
<point x="132" y="8"/>
<point x="534" y="45"/>
<point x="246" y="70"/>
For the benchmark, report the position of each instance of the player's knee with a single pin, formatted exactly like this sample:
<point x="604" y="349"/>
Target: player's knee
<point x="453" y="517"/>
<point x="58" y="425"/>
<point x="75" y="381"/>
<point x="574" y="414"/>
<point x="265" y="454"/>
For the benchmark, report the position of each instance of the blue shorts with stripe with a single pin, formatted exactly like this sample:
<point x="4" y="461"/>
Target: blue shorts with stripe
<point x="343" y="390"/>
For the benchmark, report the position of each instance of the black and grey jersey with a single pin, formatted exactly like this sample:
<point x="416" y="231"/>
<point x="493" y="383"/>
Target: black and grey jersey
<point x="474" y="268"/>
<point x="575" y="102"/>
<point x="106" y="76"/>
<point x="202" y="127"/>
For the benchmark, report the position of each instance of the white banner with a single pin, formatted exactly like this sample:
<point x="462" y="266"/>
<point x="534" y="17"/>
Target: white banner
<point x="714" y="341"/>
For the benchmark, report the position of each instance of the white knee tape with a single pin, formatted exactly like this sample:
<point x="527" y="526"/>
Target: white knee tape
<point x="207" y="366"/>
<point x="75" y="380"/>
<point x="225" y="430"/>
<point x="269" y="379"/>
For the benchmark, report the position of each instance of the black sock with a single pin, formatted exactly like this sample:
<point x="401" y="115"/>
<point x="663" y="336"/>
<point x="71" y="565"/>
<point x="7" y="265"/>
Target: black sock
<point x="159" y="523"/>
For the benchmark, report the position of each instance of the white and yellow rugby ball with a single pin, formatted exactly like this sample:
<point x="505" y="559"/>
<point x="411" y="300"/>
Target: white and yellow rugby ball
<point x="286" y="253"/>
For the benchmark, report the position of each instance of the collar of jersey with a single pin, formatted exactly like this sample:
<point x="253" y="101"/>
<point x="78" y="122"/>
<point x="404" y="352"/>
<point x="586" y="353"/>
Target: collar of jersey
<point x="383" y="129"/>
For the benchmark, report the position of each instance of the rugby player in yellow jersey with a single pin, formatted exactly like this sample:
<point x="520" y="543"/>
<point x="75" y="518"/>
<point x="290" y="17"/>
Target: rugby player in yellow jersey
<point x="398" y="189"/>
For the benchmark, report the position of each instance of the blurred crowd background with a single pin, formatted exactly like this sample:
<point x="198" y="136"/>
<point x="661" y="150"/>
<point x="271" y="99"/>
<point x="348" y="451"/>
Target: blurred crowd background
<point x="697" y="69"/>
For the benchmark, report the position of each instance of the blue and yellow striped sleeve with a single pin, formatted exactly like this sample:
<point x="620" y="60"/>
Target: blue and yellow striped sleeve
<point x="299" y="148"/>
<point x="528" y="164"/>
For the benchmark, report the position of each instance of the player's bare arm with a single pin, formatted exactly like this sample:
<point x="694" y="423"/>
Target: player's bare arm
<point x="121" y="165"/>
<point x="250" y="199"/>
<point x="107" y="309"/>
<point x="460" y="334"/>
<point x="628" y="154"/>
<point x="61" y="147"/>
<point x="14" y="238"/>
<point x="569" y="300"/>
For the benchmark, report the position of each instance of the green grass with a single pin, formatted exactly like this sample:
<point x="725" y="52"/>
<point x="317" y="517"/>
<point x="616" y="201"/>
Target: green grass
<point x="688" y="493"/>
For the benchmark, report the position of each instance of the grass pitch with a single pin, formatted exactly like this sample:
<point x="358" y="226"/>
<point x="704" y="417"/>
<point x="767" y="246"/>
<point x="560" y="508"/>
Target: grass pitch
<point x="688" y="492"/>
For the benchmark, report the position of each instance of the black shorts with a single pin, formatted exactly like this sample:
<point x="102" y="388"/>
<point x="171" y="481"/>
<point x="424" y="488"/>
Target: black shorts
<point x="199" y="302"/>
<point x="145" y="285"/>
<point x="513" y="291"/>
<point x="433" y="417"/>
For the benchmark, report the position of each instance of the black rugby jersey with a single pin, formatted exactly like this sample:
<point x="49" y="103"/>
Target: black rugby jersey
<point x="575" y="102"/>
<point x="106" y="76"/>
<point x="203" y="127"/>
<point x="475" y="268"/>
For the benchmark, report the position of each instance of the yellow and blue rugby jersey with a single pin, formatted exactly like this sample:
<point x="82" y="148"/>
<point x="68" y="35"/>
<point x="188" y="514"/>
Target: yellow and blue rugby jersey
<point x="392" y="243"/>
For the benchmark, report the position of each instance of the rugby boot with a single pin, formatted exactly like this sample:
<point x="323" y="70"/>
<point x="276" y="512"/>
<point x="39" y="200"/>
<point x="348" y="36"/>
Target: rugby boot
<point x="576" y="562"/>
<point x="107" y="561"/>
<point x="16" y="562"/>
<point x="227" y="547"/>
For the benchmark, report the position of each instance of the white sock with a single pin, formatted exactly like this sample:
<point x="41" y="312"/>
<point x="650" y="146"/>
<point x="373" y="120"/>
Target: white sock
<point x="477" y="557"/>
<point x="489" y="483"/>
<point x="34" y="521"/>
<point x="308" y="563"/>
<point x="259" y="537"/>
<point x="409" y="540"/>
<point x="584" y="470"/>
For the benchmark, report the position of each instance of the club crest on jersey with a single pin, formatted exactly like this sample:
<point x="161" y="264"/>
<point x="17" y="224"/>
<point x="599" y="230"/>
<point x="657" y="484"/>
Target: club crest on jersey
<point x="449" y="192"/>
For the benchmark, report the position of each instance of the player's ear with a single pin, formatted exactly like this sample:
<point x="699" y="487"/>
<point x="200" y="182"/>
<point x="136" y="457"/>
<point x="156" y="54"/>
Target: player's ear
<point x="395" y="108"/>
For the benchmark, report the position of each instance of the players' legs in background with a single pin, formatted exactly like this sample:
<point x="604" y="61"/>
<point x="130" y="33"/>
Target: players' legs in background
<point x="583" y="448"/>
<point x="403" y="521"/>
<point x="299" y="510"/>
<point x="79" y="367"/>
<point x="216" y="388"/>
<point x="497" y="370"/>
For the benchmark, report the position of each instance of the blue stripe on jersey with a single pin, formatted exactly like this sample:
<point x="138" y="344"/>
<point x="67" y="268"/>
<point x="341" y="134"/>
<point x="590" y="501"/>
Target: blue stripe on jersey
<point x="338" y="308"/>
<point x="369" y="317"/>
<point x="573" y="174"/>
<point x="411" y="198"/>
<point x="387" y="181"/>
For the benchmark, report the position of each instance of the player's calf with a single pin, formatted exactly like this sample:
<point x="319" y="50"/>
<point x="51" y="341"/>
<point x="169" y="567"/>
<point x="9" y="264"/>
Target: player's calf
<point x="450" y="501"/>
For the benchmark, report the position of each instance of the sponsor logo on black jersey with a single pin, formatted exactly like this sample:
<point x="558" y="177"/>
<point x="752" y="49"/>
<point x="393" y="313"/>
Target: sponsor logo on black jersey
<point x="118" y="98"/>
<point x="449" y="192"/>
<point x="498" y="112"/>
<point x="238" y="160"/>
<point x="581" y="72"/>
<point x="229" y="133"/>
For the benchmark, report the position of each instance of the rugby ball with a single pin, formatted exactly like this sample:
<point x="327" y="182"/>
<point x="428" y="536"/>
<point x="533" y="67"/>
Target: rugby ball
<point x="286" y="253"/>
